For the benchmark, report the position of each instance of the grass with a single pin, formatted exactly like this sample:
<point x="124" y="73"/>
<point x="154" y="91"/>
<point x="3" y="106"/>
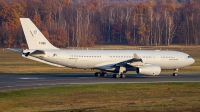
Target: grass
<point x="105" y="97"/>
<point x="13" y="63"/>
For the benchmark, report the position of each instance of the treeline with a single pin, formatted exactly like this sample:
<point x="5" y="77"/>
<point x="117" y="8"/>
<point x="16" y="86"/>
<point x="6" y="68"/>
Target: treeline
<point x="77" y="24"/>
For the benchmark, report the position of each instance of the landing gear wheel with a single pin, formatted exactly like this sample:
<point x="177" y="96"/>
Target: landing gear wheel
<point x="101" y="74"/>
<point x="123" y="76"/>
<point x="175" y="74"/>
<point x="97" y="74"/>
<point x="105" y="74"/>
<point x="114" y="75"/>
<point x="117" y="76"/>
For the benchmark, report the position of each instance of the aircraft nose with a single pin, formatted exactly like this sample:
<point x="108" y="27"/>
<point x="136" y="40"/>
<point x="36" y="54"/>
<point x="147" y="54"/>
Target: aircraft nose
<point x="192" y="60"/>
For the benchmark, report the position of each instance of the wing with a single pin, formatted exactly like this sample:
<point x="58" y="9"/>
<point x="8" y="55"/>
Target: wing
<point x="134" y="62"/>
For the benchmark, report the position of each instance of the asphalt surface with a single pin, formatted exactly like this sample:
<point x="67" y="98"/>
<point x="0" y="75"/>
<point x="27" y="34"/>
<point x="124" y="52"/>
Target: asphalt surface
<point x="15" y="82"/>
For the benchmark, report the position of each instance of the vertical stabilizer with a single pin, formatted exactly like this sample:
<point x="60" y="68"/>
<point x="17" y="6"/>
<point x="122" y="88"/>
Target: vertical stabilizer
<point x="35" y="39"/>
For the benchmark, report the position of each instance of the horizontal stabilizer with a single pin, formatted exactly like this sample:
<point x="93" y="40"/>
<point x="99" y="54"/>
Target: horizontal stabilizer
<point x="16" y="50"/>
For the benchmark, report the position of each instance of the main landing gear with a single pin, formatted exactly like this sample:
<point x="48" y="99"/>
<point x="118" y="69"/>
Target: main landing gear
<point x="104" y="74"/>
<point x="175" y="72"/>
<point x="119" y="75"/>
<point x="101" y="74"/>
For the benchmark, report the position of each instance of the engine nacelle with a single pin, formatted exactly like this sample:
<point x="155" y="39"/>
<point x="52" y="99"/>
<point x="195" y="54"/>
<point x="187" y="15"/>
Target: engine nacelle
<point x="149" y="70"/>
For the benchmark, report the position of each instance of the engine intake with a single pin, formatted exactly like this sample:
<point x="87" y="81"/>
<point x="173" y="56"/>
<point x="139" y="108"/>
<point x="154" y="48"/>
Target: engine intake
<point x="149" y="70"/>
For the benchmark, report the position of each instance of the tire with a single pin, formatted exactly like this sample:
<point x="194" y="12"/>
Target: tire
<point x="105" y="74"/>
<point x="123" y="76"/>
<point x="98" y="74"/>
<point x="175" y="74"/>
<point x="117" y="76"/>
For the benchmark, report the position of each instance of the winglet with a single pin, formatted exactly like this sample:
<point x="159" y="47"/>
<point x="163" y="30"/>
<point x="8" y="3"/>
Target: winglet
<point x="136" y="57"/>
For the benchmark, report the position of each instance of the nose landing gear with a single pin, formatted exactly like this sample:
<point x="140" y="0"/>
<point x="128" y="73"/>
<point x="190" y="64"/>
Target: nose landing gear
<point x="175" y="72"/>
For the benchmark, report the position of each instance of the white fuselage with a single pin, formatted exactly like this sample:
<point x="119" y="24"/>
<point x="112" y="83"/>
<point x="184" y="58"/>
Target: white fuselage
<point x="94" y="58"/>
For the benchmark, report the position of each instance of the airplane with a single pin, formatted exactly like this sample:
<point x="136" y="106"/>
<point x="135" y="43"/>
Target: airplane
<point x="144" y="62"/>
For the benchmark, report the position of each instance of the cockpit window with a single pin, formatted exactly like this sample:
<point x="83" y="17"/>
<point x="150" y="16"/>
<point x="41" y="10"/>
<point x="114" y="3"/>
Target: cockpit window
<point x="189" y="56"/>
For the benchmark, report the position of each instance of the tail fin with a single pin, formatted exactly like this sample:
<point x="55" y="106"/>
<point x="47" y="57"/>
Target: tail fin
<point x="35" y="39"/>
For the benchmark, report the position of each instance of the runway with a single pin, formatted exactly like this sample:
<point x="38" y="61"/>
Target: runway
<point x="15" y="82"/>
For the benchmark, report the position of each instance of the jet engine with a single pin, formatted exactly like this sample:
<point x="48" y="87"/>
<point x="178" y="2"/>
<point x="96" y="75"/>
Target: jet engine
<point x="149" y="70"/>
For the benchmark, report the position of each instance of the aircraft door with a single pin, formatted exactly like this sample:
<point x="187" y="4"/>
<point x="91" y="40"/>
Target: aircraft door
<point x="181" y="57"/>
<point x="103" y="57"/>
<point x="157" y="56"/>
